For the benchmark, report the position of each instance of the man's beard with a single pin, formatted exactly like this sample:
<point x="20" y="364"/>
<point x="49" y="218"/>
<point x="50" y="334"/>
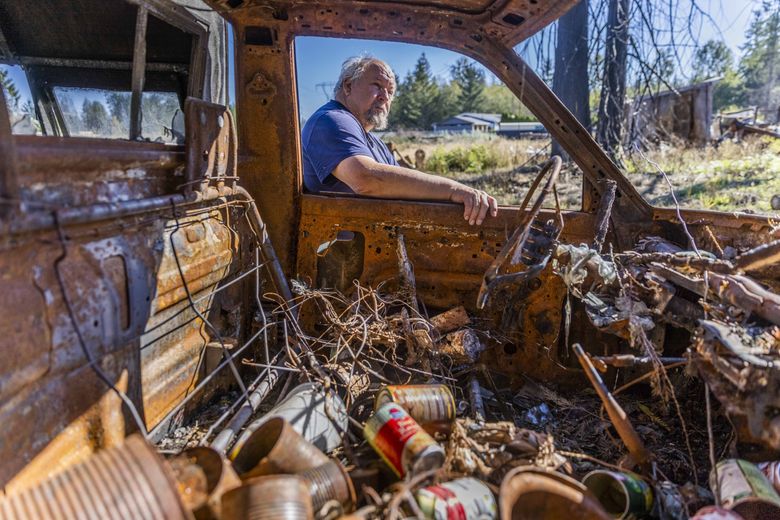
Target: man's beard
<point x="378" y="119"/>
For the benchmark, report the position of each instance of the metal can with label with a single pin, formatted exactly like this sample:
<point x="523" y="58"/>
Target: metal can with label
<point x="432" y="406"/>
<point x="461" y="499"/>
<point x="744" y="489"/>
<point x="401" y="441"/>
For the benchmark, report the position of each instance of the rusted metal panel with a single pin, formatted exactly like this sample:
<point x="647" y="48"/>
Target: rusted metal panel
<point x="449" y="262"/>
<point x="269" y="159"/>
<point x="94" y="170"/>
<point x="174" y="338"/>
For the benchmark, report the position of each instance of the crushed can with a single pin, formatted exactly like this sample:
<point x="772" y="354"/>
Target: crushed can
<point x="432" y="406"/>
<point x="461" y="499"/>
<point x="401" y="441"/>
<point x="623" y="495"/>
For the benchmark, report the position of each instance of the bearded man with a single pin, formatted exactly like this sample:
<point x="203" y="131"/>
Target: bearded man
<point x="340" y="154"/>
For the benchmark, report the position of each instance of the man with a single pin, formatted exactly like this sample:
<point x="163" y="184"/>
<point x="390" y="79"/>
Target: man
<point x="340" y="154"/>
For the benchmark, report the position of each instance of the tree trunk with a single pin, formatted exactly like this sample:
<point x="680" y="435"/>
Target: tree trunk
<point x="570" y="79"/>
<point x="613" y="88"/>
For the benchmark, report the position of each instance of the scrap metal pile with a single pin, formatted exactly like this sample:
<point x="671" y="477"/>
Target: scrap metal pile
<point x="384" y="413"/>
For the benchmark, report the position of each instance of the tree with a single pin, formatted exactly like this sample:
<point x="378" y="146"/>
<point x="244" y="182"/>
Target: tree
<point x="420" y="100"/>
<point x="498" y="99"/>
<point x="9" y="87"/>
<point x="712" y="59"/>
<point x="470" y="79"/>
<point x="570" y="78"/>
<point x="759" y="66"/>
<point x="613" y="90"/>
<point x="94" y="116"/>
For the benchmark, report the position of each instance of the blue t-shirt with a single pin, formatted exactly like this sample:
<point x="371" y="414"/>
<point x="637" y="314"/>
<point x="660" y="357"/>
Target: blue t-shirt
<point x="331" y="135"/>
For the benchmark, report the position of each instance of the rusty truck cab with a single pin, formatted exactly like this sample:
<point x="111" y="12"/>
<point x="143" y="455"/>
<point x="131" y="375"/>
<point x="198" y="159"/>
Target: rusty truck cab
<point x="131" y="265"/>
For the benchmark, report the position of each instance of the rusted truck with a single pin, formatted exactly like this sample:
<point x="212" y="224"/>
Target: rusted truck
<point x="139" y="266"/>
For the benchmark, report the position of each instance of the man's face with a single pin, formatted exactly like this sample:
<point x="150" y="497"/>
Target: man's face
<point x="369" y="97"/>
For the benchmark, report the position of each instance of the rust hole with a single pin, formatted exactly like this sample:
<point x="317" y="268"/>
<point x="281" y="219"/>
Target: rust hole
<point x="513" y="19"/>
<point x="510" y="349"/>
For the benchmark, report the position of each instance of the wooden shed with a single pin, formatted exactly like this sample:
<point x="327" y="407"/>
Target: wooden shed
<point x="684" y="113"/>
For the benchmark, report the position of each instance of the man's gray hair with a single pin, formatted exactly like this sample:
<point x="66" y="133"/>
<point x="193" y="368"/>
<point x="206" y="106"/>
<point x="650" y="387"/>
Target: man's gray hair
<point x="355" y="66"/>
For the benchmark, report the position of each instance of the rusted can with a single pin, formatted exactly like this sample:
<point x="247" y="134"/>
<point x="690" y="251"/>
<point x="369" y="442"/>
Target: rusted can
<point x="275" y="447"/>
<point x="127" y="481"/>
<point x="432" y="406"/>
<point x="273" y="497"/>
<point x="623" y="495"/>
<point x="330" y="481"/>
<point x="203" y="476"/>
<point x="461" y="499"/>
<point x="744" y="489"/>
<point x="401" y="442"/>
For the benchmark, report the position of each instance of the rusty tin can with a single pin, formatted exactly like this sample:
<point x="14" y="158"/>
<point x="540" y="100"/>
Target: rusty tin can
<point x="330" y="481"/>
<point x="271" y="497"/>
<point x="623" y="495"/>
<point x="744" y="489"/>
<point x="461" y="499"/>
<point x="432" y="406"/>
<point x="401" y="441"/>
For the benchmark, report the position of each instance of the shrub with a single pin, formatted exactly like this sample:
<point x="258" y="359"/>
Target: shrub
<point x="473" y="159"/>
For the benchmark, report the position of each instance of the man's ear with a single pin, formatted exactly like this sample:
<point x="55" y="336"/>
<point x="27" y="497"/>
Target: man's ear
<point x="347" y="87"/>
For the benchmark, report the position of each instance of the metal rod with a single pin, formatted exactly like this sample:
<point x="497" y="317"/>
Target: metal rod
<point x="139" y="73"/>
<point x="270" y="378"/>
<point x="475" y="395"/>
<point x="96" y="64"/>
<point x="265" y="382"/>
<point x="604" y="213"/>
<point x="636" y="448"/>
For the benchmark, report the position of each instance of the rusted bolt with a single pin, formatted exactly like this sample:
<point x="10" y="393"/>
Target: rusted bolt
<point x="534" y="284"/>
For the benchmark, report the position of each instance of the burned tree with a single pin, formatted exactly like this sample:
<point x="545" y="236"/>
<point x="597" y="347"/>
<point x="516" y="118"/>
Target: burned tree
<point x="570" y="79"/>
<point x="613" y="91"/>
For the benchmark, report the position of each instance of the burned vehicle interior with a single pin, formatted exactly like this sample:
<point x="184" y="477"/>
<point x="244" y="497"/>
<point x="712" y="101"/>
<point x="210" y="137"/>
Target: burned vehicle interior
<point x="178" y="312"/>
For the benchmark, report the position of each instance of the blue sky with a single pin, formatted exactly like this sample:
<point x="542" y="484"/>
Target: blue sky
<point x="319" y="59"/>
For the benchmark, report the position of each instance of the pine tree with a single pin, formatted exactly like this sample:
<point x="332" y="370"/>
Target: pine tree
<point x="8" y="86"/>
<point x="471" y="81"/>
<point x="94" y="116"/>
<point x="420" y="100"/>
<point x="760" y="64"/>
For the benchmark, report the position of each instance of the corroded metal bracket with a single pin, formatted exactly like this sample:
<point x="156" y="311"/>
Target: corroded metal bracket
<point x="212" y="147"/>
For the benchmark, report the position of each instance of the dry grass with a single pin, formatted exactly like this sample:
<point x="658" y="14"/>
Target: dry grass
<point x="732" y="176"/>
<point x="503" y="167"/>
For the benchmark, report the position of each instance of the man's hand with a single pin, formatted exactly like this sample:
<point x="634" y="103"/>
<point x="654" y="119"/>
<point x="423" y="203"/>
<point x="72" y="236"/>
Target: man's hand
<point x="476" y="203"/>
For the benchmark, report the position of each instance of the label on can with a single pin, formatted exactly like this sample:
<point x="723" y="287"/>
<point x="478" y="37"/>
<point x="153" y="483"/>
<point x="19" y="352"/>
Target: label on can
<point x="739" y="479"/>
<point x="397" y="437"/>
<point x="462" y="499"/>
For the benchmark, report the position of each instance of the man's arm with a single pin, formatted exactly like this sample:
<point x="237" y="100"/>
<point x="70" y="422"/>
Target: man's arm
<point x="365" y="176"/>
